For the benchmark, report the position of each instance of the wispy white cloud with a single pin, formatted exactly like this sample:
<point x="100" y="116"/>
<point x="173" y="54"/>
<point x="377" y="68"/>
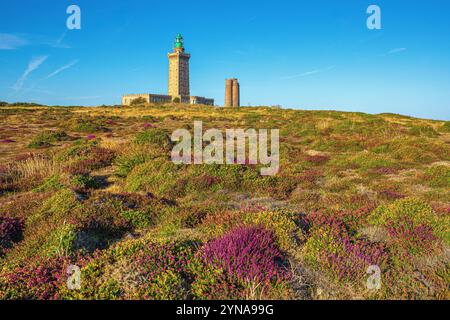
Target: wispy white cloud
<point x="32" y="66"/>
<point x="397" y="50"/>
<point x="11" y="42"/>
<point x="67" y="66"/>
<point x="308" y="73"/>
<point x="59" y="43"/>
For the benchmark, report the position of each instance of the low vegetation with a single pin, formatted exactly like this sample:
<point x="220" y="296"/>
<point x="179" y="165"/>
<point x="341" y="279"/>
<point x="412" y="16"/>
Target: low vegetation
<point x="95" y="188"/>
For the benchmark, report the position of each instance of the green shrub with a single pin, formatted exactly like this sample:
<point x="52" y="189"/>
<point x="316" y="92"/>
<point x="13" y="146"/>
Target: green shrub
<point x="418" y="150"/>
<point x="341" y="256"/>
<point x="216" y="176"/>
<point x="52" y="183"/>
<point x="160" y="177"/>
<point x="61" y="241"/>
<point x="438" y="176"/>
<point x="139" y="218"/>
<point x="49" y="230"/>
<point x="46" y="138"/>
<point x="212" y="283"/>
<point x="83" y="181"/>
<point x="426" y="131"/>
<point x="372" y="161"/>
<point x="280" y="222"/>
<point x="154" y="136"/>
<point x="411" y="213"/>
<point x="80" y="149"/>
<point x="87" y="126"/>
<point x="125" y="163"/>
<point x="137" y="270"/>
<point x="55" y="207"/>
<point x="445" y="127"/>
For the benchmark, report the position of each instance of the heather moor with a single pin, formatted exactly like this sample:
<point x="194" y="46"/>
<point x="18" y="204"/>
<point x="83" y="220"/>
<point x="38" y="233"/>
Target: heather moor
<point x="96" y="188"/>
<point x="235" y="151"/>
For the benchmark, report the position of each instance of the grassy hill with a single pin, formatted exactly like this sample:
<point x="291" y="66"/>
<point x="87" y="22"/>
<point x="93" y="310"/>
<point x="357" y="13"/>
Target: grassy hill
<point x="95" y="188"/>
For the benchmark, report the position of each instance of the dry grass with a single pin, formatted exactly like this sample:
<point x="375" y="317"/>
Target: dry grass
<point x="37" y="165"/>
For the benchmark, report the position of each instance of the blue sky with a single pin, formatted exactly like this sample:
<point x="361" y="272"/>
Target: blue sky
<point x="299" y="54"/>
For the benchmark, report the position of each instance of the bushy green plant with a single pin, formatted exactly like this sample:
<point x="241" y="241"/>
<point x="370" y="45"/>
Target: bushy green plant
<point x="372" y="161"/>
<point x="55" y="207"/>
<point x="281" y="222"/>
<point x="125" y="163"/>
<point x="216" y="176"/>
<point x="139" y="218"/>
<point x="147" y="271"/>
<point x="438" y="176"/>
<point x="213" y="283"/>
<point x="418" y="150"/>
<point x="154" y="136"/>
<point x="87" y="126"/>
<point x="445" y="127"/>
<point x="80" y="149"/>
<point x="159" y="176"/>
<point x="426" y="131"/>
<point x="83" y="182"/>
<point x="342" y="256"/>
<point x="411" y="213"/>
<point x="52" y="183"/>
<point x="61" y="241"/>
<point x="46" y="138"/>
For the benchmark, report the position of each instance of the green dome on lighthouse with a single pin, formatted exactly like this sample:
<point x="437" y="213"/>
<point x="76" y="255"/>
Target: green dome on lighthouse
<point x="179" y="41"/>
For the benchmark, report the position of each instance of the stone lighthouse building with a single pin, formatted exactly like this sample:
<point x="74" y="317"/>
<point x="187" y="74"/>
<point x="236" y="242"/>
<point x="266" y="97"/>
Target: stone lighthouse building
<point x="179" y="89"/>
<point x="179" y="70"/>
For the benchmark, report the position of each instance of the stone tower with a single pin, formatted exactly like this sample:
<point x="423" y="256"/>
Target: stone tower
<point x="228" y="92"/>
<point x="236" y="94"/>
<point x="232" y="93"/>
<point x="179" y="70"/>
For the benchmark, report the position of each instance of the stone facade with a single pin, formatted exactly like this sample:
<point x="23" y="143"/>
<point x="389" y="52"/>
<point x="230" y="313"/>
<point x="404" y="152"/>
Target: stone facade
<point x="179" y="74"/>
<point x="178" y="81"/>
<point x="201" y="100"/>
<point x="149" y="98"/>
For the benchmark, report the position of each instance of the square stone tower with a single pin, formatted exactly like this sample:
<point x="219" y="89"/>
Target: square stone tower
<point x="179" y="70"/>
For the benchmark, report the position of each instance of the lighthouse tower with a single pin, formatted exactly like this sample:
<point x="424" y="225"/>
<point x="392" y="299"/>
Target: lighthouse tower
<point x="179" y="71"/>
<point x="179" y="90"/>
